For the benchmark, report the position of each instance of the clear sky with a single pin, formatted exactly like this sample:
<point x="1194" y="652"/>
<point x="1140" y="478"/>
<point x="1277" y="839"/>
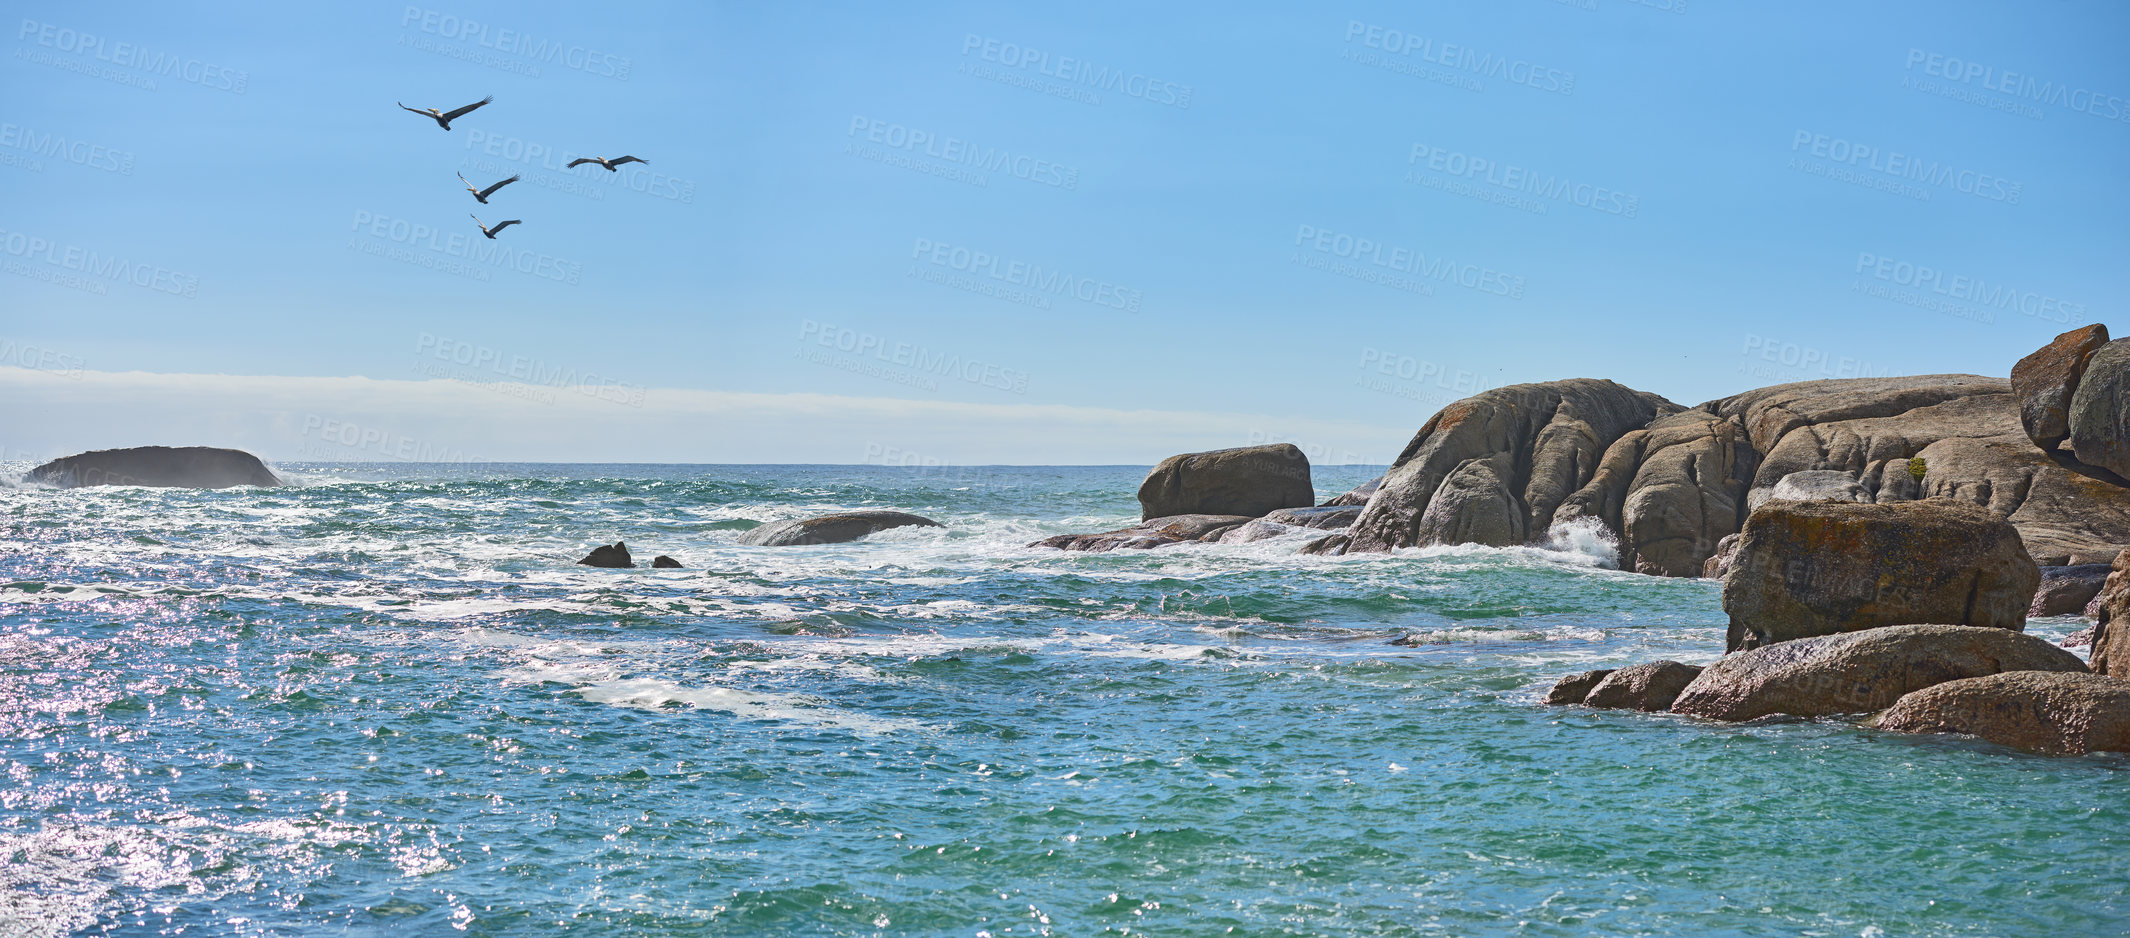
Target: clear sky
<point x="1002" y="233"/>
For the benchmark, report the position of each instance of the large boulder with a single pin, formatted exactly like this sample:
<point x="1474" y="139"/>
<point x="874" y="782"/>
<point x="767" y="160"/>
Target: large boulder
<point x="2057" y="712"/>
<point x="1149" y="534"/>
<point x="196" y="467"/>
<point x="2111" y="609"/>
<point x="1250" y="480"/>
<point x="1817" y="568"/>
<point x="1855" y="672"/>
<point x="2046" y="380"/>
<point x="2066" y="590"/>
<point x="837" y="528"/>
<point x="2100" y="410"/>
<point x="1510" y="457"/>
<point x="1648" y="687"/>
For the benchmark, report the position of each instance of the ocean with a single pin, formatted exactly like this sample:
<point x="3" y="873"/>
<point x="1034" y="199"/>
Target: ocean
<point x="384" y="700"/>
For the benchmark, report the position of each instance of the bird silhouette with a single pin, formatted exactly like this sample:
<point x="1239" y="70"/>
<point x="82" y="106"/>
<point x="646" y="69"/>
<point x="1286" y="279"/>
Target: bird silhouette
<point x="481" y="195"/>
<point x="603" y="161"/>
<point x="444" y="118"/>
<point x="491" y="232"/>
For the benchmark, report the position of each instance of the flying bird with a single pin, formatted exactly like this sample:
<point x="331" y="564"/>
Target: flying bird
<point x="444" y="118"/>
<point x="491" y="232"/>
<point x="603" y="161"/>
<point x="481" y="195"/>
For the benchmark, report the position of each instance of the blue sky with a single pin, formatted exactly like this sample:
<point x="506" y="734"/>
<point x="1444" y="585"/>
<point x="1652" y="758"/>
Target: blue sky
<point x="1055" y="234"/>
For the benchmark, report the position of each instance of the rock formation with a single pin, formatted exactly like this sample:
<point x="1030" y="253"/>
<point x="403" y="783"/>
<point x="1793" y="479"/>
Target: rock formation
<point x="663" y="562"/>
<point x="836" y="528"/>
<point x="1857" y="672"/>
<point x="2065" y="591"/>
<point x="2056" y="712"/>
<point x="2045" y="380"/>
<point x="1145" y="535"/>
<point x="2100" y="410"/>
<point x="1249" y="481"/>
<point x="609" y="555"/>
<point x="199" y="467"/>
<point x="1648" y="687"/>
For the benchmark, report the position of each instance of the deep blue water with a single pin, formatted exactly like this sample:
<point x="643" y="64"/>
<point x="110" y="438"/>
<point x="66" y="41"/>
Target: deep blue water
<point x="384" y="701"/>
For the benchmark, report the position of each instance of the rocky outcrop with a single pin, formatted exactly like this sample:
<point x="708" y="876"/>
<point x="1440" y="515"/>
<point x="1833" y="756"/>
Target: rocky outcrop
<point x="1857" y="672"/>
<point x="663" y="562"/>
<point x="2099" y="417"/>
<point x="1249" y="481"/>
<point x="198" y="467"/>
<point x="837" y="528"/>
<point x="1500" y="464"/>
<point x="1146" y="535"/>
<point x="1671" y="492"/>
<point x="2045" y="381"/>
<point x="1647" y="687"/>
<point x="2065" y="591"/>
<point x="1575" y="687"/>
<point x="1289" y="521"/>
<point x="2111" y="610"/>
<point x="1817" y="568"/>
<point x="1718" y="565"/>
<point x="2064" y="713"/>
<point x="609" y="555"/>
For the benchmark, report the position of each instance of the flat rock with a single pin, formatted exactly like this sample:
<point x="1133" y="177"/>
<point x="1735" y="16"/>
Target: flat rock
<point x="2046" y="380"/>
<point x="1856" y="672"/>
<point x="1149" y="534"/>
<point x="838" y="528"/>
<point x="1817" y="568"/>
<point x="664" y="562"/>
<point x="1648" y="687"/>
<point x="2066" y="590"/>
<point x="1325" y="517"/>
<point x="1249" y="481"/>
<point x="198" y="467"/>
<point x="2055" y="712"/>
<point x="609" y="555"/>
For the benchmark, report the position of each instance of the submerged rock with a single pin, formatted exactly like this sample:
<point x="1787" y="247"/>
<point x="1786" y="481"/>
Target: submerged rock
<point x="2046" y="380"/>
<point x="199" y="467"/>
<point x="1817" y="568"/>
<point x="1575" y="687"/>
<point x="1856" y="672"/>
<point x="664" y="562"/>
<point x="838" y="528"/>
<point x="1648" y="687"/>
<point x="609" y="555"/>
<point x="1249" y="481"/>
<point x="2055" y="712"/>
<point x="2065" y="591"/>
<point x="1145" y="535"/>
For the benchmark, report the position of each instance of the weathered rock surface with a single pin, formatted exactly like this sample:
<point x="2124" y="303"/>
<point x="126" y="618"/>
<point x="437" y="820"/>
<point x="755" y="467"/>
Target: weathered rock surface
<point x="2111" y="610"/>
<point x="1357" y="497"/>
<point x="1814" y="485"/>
<point x="1718" y="565"/>
<point x="1854" y="672"/>
<point x="2045" y="381"/>
<point x="1817" y="568"/>
<point x="2053" y="712"/>
<point x="1648" y="687"/>
<point x="198" y="467"/>
<point x="1324" y="517"/>
<point x="1249" y="481"/>
<point x="609" y="555"/>
<point x="2065" y="591"/>
<point x="2100" y="410"/>
<point x="1145" y="535"/>
<point x="837" y="528"/>
<point x="1575" y="687"/>
<point x="664" y="562"/>
<point x="1671" y="492"/>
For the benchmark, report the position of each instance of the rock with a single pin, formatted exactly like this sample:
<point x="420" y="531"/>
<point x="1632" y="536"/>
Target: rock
<point x="609" y="555"/>
<point x="2066" y="590"/>
<point x="198" y="467"/>
<point x="1256" y="530"/>
<point x="2079" y="639"/>
<point x="2046" y="380"/>
<point x="663" y="562"/>
<point x="837" y="528"/>
<point x="1854" y="672"/>
<point x="1648" y="687"/>
<point x="1828" y="485"/>
<point x="1250" y="481"/>
<point x="1671" y="492"/>
<point x="1719" y="564"/>
<point x="1573" y="688"/>
<point x="1511" y="456"/>
<point x="2111" y="610"/>
<point x="1157" y="532"/>
<point x="2100" y="410"/>
<point x="1816" y="568"/>
<point x="1325" y="517"/>
<point x="2056" y="712"/>
<point x="1357" y="497"/>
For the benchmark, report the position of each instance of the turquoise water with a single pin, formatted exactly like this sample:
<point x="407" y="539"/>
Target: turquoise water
<point x="384" y="701"/>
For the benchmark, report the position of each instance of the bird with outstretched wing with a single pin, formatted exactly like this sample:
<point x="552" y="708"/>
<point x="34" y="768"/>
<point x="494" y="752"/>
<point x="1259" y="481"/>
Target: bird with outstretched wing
<point x="607" y="163"/>
<point x="491" y="232"/>
<point x="481" y="195"/>
<point x="444" y="118"/>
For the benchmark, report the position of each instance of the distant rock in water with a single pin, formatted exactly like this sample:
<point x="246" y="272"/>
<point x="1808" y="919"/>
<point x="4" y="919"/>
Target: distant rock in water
<point x="664" y="562"/>
<point x="837" y="528"/>
<point x="2065" y="591"/>
<point x="1249" y="480"/>
<point x="1146" y="535"/>
<point x="195" y="467"/>
<point x="609" y="555"/>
